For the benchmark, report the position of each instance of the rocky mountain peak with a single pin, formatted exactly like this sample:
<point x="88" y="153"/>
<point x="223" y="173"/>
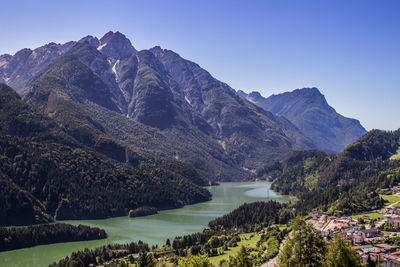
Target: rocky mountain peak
<point x="309" y="111"/>
<point x="312" y="95"/>
<point x="92" y="41"/>
<point x="255" y="95"/>
<point x="115" y="45"/>
<point x="308" y="92"/>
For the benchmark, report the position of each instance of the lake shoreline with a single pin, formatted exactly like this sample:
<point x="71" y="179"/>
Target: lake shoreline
<point x="152" y="229"/>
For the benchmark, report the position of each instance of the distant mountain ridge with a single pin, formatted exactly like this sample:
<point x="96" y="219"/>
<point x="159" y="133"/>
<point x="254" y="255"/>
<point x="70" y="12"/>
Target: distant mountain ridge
<point x="308" y="109"/>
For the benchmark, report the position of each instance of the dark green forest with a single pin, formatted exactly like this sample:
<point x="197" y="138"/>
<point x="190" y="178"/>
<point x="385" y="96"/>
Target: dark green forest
<point x="246" y="218"/>
<point x="48" y="173"/>
<point x="101" y="254"/>
<point x="23" y="237"/>
<point x="72" y="183"/>
<point x="344" y="183"/>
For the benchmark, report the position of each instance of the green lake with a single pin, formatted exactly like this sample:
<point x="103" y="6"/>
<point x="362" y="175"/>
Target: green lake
<point x="153" y="229"/>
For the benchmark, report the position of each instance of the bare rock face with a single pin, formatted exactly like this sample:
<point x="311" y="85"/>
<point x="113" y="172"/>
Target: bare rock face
<point x="308" y="109"/>
<point x="115" y="45"/>
<point x="17" y="70"/>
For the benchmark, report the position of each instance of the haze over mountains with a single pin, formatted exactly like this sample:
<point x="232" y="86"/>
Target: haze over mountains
<point x="150" y="118"/>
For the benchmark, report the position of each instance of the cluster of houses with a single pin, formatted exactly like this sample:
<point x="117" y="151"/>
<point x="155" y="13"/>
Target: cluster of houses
<point x="347" y="227"/>
<point x="386" y="254"/>
<point x="358" y="233"/>
<point x="392" y="215"/>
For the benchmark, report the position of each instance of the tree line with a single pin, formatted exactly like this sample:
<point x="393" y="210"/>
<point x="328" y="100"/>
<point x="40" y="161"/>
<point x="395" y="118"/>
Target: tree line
<point x="101" y="255"/>
<point x="23" y="237"/>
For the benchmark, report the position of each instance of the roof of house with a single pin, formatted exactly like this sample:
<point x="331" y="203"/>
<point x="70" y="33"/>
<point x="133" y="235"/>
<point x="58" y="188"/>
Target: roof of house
<point x="361" y="247"/>
<point x="396" y="253"/>
<point x="372" y="230"/>
<point x="385" y="246"/>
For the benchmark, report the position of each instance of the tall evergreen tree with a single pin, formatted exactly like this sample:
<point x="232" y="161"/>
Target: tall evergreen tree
<point x="145" y="260"/>
<point x="195" y="261"/>
<point x="242" y="258"/>
<point x="305" y="246"/>
<point x="340" y="254"/>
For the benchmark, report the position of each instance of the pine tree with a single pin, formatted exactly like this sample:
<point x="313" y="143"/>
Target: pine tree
<point x="340" y="254"/>
<point x="145" y="259"/>
<point x="195" y="261"/>
<point x="305" y="246"/>
<point x="242" y="259"/>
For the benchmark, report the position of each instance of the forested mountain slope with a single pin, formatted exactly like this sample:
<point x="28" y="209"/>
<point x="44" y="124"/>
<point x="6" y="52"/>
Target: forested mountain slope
<point x="73" y="183"/>
<point x="342" y="183"/>
<point x="47" y="173"/>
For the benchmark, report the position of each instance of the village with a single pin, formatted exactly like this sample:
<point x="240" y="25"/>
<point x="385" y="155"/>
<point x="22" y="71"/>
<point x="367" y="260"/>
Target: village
<point x="374" y="236"/>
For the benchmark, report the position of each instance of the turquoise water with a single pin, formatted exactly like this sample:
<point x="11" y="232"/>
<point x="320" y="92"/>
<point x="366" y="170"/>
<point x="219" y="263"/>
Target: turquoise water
<point x="153" y="229"/>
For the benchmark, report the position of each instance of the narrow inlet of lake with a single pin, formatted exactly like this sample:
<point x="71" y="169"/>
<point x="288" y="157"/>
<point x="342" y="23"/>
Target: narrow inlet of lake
<point x="153" y="229"/>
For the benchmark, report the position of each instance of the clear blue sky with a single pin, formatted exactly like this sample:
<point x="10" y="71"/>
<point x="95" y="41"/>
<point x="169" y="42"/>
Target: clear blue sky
<point x="350" y="50"/>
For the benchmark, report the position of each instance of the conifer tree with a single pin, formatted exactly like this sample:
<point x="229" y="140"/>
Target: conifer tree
<point x="242" y="259"/>
<point x="195" y="261"/>
<point x="340" y="254"/>
<point x="304" y="247"/>
<point x="145" y="260"/>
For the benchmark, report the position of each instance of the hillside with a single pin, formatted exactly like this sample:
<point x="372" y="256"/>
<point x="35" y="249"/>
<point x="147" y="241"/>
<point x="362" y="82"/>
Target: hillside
<point x="19" y="119"/>
<point x="249" y="135"/>
<point x="72" y="183"/>
<point x="343" y="183"/>
<point x="46" y="173"/>
<point x="309" y="111"/>
<point x="106" y="93"/>
<point x="142" y="107"/>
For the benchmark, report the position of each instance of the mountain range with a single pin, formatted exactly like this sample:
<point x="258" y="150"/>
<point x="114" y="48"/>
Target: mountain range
<point x="152" y="101"/>
<point x="309" y="111"/>
<point x="157" y="125"/>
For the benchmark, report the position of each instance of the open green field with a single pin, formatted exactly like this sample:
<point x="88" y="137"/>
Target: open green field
<point x="371" y="215"/>
<point x="390" y="199"/>
<point x="246" y="240"/>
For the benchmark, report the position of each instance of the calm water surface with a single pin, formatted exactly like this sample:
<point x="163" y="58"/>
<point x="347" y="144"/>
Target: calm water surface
<point x="153" y="229"/>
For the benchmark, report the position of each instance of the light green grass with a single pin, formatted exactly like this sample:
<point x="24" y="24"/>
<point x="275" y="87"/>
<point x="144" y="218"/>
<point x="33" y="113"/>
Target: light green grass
<point x="390" y="199"/>
<point x="396" y="156"/>
<point x="250" y="242"/>
<point x="371" y="215"/>
<point x="396" y="205"/>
